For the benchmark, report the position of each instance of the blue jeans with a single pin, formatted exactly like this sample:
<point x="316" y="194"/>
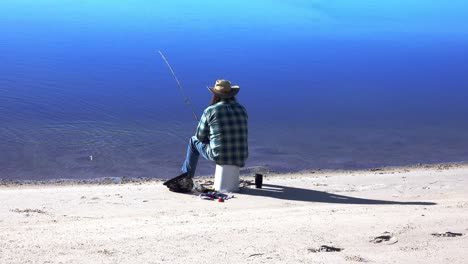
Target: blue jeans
<point x="194" y="150"/>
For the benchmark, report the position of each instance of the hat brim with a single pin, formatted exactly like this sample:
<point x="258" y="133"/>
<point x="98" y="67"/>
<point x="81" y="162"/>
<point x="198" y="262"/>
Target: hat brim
<point x="234" y="92"/>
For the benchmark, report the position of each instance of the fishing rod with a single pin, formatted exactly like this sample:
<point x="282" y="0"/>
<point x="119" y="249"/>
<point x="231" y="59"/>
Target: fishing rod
<point x="187" y="100"/>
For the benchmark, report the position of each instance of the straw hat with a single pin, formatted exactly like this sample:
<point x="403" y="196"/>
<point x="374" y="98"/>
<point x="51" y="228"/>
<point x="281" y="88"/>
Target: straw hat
<point x="224" y="89"/>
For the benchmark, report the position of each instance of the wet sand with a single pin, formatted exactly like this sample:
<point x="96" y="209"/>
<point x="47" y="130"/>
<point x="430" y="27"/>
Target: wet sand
<point x="288" y="221"/>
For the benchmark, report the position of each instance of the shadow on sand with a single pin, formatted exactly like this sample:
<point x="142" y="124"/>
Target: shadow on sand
<point x="306" y="195"/>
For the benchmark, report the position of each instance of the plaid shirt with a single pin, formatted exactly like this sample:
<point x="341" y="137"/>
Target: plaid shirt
<point x="224" y="126"/>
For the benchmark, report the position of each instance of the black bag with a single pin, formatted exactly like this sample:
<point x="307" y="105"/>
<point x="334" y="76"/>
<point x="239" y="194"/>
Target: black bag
<point x="181" y="184"/>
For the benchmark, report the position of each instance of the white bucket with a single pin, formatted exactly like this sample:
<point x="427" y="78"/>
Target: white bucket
<point x="226" y="178"/>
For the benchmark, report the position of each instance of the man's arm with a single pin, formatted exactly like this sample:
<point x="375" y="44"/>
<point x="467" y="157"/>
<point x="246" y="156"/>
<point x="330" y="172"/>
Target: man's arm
<point x="203" y="129"/>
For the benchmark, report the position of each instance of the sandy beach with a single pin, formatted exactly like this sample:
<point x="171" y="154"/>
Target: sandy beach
<point x="287" y="221"/>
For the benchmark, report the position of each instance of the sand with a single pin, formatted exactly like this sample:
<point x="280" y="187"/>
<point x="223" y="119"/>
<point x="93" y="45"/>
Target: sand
<point x="285" y="222"/>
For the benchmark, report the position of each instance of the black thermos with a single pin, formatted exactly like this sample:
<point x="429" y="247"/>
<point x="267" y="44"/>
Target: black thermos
<point x="258" y="180"/>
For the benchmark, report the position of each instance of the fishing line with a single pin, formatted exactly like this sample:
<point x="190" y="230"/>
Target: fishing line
<point x="187" y="100"/>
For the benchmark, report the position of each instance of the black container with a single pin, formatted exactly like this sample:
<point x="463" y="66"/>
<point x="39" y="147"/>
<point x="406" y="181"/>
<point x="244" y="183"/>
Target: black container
<point x="258" y="180"/>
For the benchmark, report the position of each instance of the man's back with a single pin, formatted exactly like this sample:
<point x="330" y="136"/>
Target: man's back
<point x="225" y="125"/>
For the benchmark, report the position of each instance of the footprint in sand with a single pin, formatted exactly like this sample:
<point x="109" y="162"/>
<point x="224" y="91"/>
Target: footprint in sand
<point x="324" y="248"/>
<point x="387" y="238"/>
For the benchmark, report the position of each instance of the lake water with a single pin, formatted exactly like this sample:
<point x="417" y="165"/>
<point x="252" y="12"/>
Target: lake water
<point x="329" y="85"/>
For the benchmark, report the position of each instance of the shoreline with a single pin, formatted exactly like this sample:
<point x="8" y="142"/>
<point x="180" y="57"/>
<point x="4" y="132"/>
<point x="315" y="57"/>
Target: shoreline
<point x="245" y="173"/>
<point x="287" y="221"/>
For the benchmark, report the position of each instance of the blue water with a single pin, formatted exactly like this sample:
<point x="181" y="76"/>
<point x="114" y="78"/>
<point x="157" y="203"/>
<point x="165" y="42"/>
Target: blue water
<point x="328" y="84"/>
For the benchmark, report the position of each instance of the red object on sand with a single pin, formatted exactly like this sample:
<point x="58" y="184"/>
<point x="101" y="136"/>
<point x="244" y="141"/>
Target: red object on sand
<point x="220" y="200"/>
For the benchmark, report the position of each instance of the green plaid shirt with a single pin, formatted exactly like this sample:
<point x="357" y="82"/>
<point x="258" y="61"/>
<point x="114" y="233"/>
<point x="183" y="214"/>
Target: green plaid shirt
<point x="224" y="126"/>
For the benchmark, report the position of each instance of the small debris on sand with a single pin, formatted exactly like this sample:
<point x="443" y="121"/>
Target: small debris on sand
<point x="245" y="183"/>
<point x="447" y="234"/>
<point x="355" y="259"/>
<point x="256" y="255"/>
<point x="27" y="211"/>
<point x="105" y="252"/>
